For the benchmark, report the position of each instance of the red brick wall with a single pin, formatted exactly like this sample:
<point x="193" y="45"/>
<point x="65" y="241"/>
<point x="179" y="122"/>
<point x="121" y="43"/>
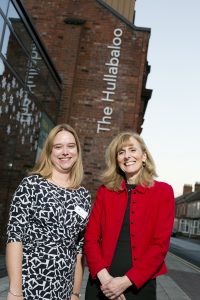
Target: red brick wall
<point x="79" y="53"/>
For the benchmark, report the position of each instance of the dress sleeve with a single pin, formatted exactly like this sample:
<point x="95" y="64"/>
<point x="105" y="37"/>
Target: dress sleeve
<point x="19" y="212"/>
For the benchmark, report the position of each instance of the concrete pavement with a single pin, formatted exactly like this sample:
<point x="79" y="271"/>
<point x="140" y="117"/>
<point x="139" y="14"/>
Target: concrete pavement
<point x="181" y="283"/>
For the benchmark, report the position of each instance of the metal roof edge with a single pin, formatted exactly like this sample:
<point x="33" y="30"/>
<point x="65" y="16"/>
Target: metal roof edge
<point x="128" y="23"/>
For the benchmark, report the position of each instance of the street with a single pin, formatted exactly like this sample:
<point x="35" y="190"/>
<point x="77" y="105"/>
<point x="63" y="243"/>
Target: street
<point x="187" y="249"/>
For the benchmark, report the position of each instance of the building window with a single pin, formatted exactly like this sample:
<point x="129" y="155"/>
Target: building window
<point x="184" y="226"/>
<point x="30" y="93"/>
<point x="196" y="227"/>
<point x="29" y="85"/>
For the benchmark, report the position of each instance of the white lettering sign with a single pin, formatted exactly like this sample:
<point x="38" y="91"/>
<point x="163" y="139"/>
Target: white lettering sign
<point x="111" y="81"/>
<point x="32" y="68"/>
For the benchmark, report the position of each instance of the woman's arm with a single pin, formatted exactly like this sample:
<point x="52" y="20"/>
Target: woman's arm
<point x="78" y="276"/>
<point x="104" y="276"/>
<point x="14" y="269"/>
<point x="93" y="236"/>
<point x="16" y="230"/>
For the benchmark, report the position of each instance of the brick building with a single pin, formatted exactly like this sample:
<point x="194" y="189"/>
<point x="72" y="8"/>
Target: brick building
<point x="102" y="60"/>
<point x="187" y="218"/>
<point x="97" y="59"/>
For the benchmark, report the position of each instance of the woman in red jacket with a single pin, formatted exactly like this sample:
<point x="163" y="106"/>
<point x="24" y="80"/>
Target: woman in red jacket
<point x="128" y="233"/>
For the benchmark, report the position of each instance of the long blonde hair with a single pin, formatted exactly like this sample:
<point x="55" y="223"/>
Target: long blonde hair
<point x="44" y="165"/>
<point x="113" y="176"/>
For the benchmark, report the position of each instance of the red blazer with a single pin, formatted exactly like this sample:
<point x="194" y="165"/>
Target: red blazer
<point x="151" y="222"/>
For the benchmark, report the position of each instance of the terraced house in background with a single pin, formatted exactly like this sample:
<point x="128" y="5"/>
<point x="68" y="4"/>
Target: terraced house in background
<point x="82" y="62"/>
<point x="187" y="218"/>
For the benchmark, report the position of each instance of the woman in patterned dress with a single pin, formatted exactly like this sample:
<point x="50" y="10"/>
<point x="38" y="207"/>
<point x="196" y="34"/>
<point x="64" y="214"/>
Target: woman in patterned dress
<point x="47" y="219"/>
<point x="128" y="233"/>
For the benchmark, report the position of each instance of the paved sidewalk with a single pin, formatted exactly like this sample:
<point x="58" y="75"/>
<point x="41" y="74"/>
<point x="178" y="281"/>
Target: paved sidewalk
<point x="181" y="283"/>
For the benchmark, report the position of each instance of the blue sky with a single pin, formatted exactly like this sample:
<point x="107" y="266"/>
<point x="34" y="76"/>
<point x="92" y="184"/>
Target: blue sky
<point x="172" y="120"/>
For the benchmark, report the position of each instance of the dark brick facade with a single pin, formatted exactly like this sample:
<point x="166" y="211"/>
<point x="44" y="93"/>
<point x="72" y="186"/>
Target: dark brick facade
<point x="77" y="35"/>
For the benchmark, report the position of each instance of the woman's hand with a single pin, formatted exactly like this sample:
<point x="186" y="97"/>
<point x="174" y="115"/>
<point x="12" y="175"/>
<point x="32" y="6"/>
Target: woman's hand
<point x="121" y="297"/>
<point x="103" y="276"/>
<point x="115" y="287"/>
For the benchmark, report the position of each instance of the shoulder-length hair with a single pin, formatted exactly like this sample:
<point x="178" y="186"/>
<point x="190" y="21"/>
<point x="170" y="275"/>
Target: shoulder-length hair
<point x="44" y="165"/>
<point x="113" y="176"/>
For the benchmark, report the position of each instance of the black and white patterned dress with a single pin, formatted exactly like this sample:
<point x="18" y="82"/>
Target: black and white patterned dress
<point x="50" y="222"/>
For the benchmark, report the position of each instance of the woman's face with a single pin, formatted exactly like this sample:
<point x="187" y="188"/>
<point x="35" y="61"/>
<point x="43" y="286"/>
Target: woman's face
<point x="64" y="152"/>
<point x="130" y="158"/>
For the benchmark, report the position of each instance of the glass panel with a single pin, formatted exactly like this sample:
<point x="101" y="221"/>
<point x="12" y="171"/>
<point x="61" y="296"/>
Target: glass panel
<point x="51" y="105"/>
<point x="37" y="71"/>
<point x="52" y="85"/>
<point x="45" y="127"/>
<point x="19" y="28"/>
<point x="4" y="5"/>
<point x="14" y="53"/>
<point x="1" y="67"/>
<point x="41" y="83"/>
<point x="19" y="131"/>
<point x="33" y="71"/>
<point x="1" y="28"/>
<point x="5" y="43"/>
<point x="19" y="114"/>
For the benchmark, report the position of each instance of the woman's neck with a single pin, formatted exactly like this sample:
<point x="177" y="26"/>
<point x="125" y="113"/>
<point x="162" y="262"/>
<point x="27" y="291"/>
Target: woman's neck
<point x="130" y="180"/>
<point x="62" y="180"/>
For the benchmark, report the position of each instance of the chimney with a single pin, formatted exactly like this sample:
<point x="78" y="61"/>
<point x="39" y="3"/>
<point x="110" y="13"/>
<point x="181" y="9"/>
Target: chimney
<point x="187" y="188"/>
<point x="197" y="186"/>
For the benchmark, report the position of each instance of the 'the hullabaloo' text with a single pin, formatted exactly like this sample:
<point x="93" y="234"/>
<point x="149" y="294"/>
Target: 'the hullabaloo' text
<point x="111" y="82"/>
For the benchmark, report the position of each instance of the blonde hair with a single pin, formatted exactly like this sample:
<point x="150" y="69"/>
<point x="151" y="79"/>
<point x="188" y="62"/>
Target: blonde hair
<point x="44" y="165"/>
<point x="113" y="176"/>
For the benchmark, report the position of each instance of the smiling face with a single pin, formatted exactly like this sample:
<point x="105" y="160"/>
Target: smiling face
<point x="64" y="152"/>
<point x="130" y="158"/>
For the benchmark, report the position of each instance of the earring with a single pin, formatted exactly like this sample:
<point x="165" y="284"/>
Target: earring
<point x="144" y="164"/>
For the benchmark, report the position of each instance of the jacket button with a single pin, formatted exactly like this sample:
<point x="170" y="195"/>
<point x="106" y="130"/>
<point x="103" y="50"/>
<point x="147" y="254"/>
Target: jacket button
<point x="132" y="212"/>
<point x="134" y="258"/>
<point x="132" y="222"/>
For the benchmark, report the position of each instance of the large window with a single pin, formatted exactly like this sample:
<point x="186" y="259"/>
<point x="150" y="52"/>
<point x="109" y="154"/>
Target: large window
<point x="29" y="84"/>
<point x="30" y="91"/>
